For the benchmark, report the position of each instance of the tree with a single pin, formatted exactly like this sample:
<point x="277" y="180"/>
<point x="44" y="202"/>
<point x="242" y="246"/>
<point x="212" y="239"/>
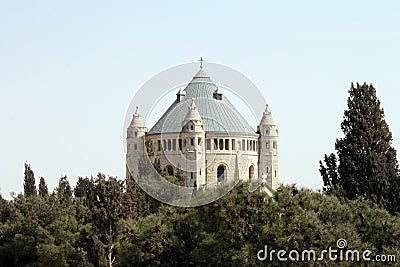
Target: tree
<point x="29" y="182"/>
<point x="64" y="191"/>
<point x="106" y="212"/>
<point x="367" y="166"/>
<point x="43" y="190"/>
<point x="40" y="232"/>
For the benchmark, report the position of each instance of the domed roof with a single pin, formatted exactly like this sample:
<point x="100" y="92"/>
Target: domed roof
<point x="218" y="114"/>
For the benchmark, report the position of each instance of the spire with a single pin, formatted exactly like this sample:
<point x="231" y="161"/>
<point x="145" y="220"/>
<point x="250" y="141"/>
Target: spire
<point x="137" y="120"/>
<point x="192" y="114"/>
<point x="137" y="113"/>
<point x="201" y="73"/>
<point x="201" y="60"/>
<point x="267" y="118"/>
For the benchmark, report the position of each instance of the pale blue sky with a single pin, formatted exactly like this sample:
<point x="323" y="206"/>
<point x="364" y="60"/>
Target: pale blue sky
<point x="68" y="70"/>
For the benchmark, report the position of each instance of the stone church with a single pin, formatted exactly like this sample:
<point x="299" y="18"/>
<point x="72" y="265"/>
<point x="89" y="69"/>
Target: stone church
<point x="203" y="136"/>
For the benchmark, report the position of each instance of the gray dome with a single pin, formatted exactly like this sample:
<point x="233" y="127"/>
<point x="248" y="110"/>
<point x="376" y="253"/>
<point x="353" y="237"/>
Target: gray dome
<point x="218" y="114"/>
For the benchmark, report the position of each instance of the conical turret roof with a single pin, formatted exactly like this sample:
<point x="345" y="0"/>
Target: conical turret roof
<point x="137" y="120"/>
<point x="267" y="118"/>
<point x="192" y="114"/>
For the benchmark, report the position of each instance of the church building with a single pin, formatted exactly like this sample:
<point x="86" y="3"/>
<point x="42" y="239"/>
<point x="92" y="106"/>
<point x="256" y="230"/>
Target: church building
<point x="204" y="137"/>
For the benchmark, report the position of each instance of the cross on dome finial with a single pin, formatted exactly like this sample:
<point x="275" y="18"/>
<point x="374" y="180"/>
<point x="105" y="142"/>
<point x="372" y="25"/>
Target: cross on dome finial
<point x="201" y="60"/>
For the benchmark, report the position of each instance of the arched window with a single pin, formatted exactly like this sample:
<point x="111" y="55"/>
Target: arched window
<point x="220" y="173"/>
<point x="251" y="172"/>
<point x="170" y="170"/>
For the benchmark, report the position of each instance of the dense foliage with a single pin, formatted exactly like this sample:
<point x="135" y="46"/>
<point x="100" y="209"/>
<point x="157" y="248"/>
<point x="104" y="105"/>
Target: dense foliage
<point x="366" y="165"/>
<point x="104" y="221"/>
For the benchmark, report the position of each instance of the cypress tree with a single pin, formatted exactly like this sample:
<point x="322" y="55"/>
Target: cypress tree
<point x="29" y="182"/>
<point x="64" y="190"/>
<point x="43" y="190"/>
<point x="367" y="164"/>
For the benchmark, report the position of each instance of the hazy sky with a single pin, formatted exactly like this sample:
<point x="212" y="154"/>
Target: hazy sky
<point x="68" y="70"/>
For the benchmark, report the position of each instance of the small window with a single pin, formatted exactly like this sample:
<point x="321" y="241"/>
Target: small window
<point x="267" y="132"/>
<point x="174" y="144"/>
<point x="275" y="145"/>
<point x="199" y="141"/>
<point x="159" y="145"/>
<point x="135" y="134"/>
<point x="191" y="175"/>
<point x="233" y="144"/>
<point x="221" y="144"/>
<point x="243" y="145"/>
<point x="275" y="173"/>
<point x="164" y="145"/>
<point x="226" y="144"/>
<point x="191" y="127"/>
<point x="215" y="144"/>
<point x="208" y="144"/>
<point x="267" y="145"/>
<point x="169" y="144"/>
<point x="251" y="172"/>
<point x="180" y="144"/>
<point x="220" y="173"/>
<point x="191" y="141"/>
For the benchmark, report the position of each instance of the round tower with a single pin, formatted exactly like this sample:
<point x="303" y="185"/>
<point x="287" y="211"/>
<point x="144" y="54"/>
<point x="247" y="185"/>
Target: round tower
<point x="194" y="136"/>
<point x="268" y="150"/>
<point x="135" y="142"/>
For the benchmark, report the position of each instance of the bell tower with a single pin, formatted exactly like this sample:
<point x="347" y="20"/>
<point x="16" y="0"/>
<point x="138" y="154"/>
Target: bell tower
<point x="268" y="168"/>
<point x="135" y="143"/>
<point x="194" y="136"/>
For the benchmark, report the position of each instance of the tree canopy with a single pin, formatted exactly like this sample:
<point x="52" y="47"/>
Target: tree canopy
<point x="366" y="165"/>
<point x="106" y="222"/>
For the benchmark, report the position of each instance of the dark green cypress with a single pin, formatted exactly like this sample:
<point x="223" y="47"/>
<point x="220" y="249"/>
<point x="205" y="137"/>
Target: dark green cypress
<point x="367" y="164"/>
<point x="29" y="182"/>
<point x="43" y="190"/>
